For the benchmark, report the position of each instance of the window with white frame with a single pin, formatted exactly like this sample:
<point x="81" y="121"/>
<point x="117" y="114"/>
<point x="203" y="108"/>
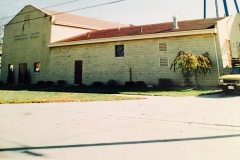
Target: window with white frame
<point x="37" y="67"/>
<point x="10" y="67"/>
<point x="119" y="51"/>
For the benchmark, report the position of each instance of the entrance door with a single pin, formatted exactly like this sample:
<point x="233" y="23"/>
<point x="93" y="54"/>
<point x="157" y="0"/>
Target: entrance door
<point x="78" y="72"/>
<point x="22" y="70"/>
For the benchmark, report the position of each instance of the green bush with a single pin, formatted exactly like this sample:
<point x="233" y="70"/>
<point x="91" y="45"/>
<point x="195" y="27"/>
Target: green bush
<point x="62" y="82"/>
<point x="40" y="83"/>
<point x="112" y="83"/>
<point x="49" y="83"/>
<point x="129" y="84"/>
<point x="141" y="84"/>
<point x="164" y="83"/>
<point x="97" y="84"/>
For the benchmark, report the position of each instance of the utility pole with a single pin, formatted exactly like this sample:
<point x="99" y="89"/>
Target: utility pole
<point x="226" y="8"/>
<point x="204" y="9"/>
<point x="236" y="5"/>
<point x="216" y="5"/>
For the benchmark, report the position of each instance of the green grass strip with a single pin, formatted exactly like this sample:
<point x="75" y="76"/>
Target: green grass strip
<point x="175" y="93"/>
<point x="48" y="97"/>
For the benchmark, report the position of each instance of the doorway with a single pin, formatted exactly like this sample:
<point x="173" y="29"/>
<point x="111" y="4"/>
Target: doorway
<point x="78" y="72"/>
<point x="22" y="70"/>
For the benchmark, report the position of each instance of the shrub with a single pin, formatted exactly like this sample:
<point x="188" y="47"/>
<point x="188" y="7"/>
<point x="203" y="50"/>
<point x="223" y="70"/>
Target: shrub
<point x="97" y="84"/>
<point x="81" y="85"/>
<point x="164" y="83"/>
<point x="10" y="77"/>
<point x="129" y="84"/>
<point x="112" y="83"/>
<point x="49" y="83"/>
<point x="40" y="83"/>
<point x="141" y="84"/>
<point x="1" y="83"/>
<point x="62" y="82"/>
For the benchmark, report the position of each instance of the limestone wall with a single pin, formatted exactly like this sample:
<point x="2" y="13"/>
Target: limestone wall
<point x="142" y="56"/>
<point x="26" y="42"/>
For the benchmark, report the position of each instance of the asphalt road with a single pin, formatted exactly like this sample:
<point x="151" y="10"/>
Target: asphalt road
<point x="154" y="128"/>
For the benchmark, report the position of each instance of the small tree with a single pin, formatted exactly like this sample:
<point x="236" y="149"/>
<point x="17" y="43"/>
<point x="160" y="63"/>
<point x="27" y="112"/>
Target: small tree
<point x="204" y="66"/>
<point x="188" y="63"/>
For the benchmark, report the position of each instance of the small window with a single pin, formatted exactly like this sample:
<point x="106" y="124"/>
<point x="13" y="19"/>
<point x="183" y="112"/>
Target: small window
<point x="27" y="19"/>
<point x="119" y="51"/>
<point x="163" y="46"/>
<point x="163" y="61"/>
<point x="10" y="67"/>
<point x="37" y="67"/>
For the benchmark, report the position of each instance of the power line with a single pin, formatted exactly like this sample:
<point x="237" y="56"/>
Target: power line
<point x="90" y="7"/>
<point x="42" y="8"/>
<point x="73" y="10"/>
<point x="9" y="3"/>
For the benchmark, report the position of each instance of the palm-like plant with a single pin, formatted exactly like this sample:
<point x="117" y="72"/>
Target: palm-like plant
<point x="188" y="63"/>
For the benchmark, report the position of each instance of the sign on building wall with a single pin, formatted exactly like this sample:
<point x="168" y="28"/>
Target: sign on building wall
<point x="22" y="37"/>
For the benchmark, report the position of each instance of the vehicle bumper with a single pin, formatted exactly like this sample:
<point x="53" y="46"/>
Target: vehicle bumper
<point x="230" y="87"/>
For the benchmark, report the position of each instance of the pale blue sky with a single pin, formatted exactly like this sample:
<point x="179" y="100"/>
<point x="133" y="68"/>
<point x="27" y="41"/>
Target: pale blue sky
<point x="135" y="12"/>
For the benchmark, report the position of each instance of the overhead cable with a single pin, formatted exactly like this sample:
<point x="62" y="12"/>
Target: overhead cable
<point x="72" y="10"/>
<point x="9" y="3"/>
<point x="42" y="8"/>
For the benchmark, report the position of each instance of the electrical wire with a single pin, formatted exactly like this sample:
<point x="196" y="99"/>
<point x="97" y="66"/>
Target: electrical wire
<point x="9" y="3"/>
<point x="90" y="7"/>
<point x="41" y="8"/>
<point x="71" y="11"/>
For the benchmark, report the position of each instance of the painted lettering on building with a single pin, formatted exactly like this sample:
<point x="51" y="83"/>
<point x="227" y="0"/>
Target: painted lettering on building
<point x="22" y="37"/>
<point x="35" y="35"/>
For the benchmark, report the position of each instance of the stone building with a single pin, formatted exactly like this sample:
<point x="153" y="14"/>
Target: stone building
<point x="29" y="33"/>
<point x="55" y="49"/>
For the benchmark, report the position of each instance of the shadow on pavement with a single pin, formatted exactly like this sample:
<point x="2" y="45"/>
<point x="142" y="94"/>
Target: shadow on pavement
<point x="26" y="149"/>
<point x="219" y="95"/>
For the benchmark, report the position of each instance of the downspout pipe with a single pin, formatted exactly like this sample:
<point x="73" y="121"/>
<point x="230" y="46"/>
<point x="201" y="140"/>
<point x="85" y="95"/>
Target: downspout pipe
<point x="236" y="5"/>
<point x="226" y="8"/>
<point x="216" y="53"/>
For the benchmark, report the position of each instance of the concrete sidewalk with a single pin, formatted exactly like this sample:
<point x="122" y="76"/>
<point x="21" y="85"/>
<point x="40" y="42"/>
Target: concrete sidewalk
<point x="154" y="128"/>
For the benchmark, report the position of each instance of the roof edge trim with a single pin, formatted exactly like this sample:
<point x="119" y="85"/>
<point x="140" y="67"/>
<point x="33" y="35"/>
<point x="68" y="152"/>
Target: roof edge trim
<point x="137" y="37"/>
